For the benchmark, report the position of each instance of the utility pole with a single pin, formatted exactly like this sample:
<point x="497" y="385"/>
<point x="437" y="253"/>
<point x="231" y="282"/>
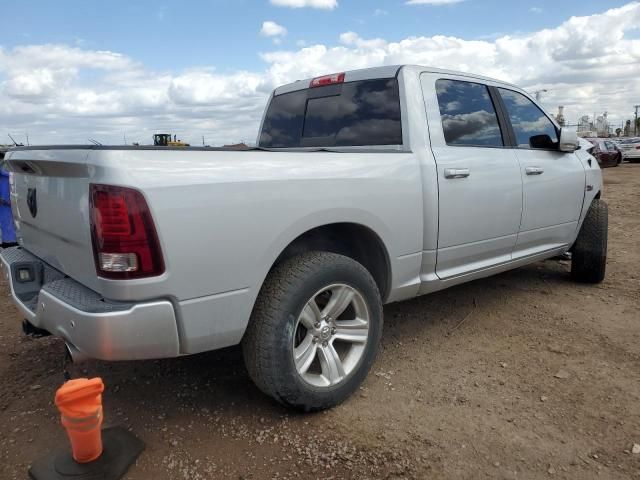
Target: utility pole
<point x="635" y="122"/>
<point x="539" y="92"/>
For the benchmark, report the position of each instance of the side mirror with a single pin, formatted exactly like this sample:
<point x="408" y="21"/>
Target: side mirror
<point x="542" y="141"/>
<point x="568" y="140"/>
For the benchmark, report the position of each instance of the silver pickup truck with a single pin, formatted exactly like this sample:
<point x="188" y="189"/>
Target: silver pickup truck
<point x="366" y="187"/>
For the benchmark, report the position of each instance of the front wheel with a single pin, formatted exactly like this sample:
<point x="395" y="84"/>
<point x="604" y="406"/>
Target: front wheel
<point x="314" y="331"/>
<point x="589" y="256"/>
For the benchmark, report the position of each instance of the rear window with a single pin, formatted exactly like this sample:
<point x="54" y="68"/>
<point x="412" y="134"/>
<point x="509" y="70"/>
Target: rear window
<point x="359" y="113"/>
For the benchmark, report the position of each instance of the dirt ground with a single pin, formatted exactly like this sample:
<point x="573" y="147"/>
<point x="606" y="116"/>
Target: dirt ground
<point x="522" y="375"/>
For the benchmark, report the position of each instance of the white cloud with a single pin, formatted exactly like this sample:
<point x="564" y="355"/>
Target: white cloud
<point x="200" y="87"/>
<point x="272" y="29"/>
<point x="535" y="10"/>
<point x="38" y="71"/>
<point x="325" y="4"/>
<point x="432" y="2"/>
<point x="62" y="94"/>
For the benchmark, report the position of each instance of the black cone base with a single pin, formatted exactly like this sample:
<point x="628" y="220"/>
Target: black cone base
<point x="120" y="450"/>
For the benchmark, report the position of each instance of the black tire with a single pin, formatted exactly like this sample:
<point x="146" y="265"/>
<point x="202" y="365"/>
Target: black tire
<point x="268" y="343"/>
<point x="589" y="255"/>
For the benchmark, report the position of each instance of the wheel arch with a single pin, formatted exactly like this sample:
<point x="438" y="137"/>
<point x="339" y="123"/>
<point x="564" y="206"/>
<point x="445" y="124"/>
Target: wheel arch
<point x="354" y="240"/>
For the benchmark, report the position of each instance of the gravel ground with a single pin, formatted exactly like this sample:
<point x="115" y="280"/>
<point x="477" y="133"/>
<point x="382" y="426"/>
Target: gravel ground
<point x="522" y="375"/>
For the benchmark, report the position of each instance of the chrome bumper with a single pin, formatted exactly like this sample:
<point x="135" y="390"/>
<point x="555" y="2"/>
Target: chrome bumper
<point x="97" y="327"/>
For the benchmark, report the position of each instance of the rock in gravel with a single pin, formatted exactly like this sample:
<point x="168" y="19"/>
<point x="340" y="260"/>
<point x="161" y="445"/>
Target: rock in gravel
<point x="635" y="448"/>
<point x="544" y="398"/>
<point x="562" y="374"/>
<point x="556" y="348"/>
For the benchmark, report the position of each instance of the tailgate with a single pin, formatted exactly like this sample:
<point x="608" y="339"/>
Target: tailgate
<point x="49" y="195"/>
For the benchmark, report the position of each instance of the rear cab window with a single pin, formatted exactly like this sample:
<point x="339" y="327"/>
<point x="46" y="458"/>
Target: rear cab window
<point x="360" y="113"/>
<point x="468" y="115"/>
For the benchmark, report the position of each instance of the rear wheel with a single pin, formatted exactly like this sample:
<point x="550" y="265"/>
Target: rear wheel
<point x="589" y="256"/>
<point x="314" y="331"/>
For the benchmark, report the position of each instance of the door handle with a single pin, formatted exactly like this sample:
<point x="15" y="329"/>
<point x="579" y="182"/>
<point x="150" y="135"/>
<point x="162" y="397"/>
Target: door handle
<point x="456" y="172"/>
<point x="534" y="170"/>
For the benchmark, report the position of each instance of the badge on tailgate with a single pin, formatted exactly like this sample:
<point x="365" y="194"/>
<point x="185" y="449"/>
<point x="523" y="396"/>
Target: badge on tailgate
<point x="32" y="202"/>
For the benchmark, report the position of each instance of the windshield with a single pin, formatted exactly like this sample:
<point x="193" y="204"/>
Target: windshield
<point x="361" y="113"/>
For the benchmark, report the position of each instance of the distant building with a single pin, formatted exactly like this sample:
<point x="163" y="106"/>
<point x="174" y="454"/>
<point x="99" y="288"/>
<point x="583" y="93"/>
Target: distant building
<point x="586" y="128"/>
<point x="602" y="125"/>
<point x="584" y="124"/>
<point x="237" y="146"/>
<point x="560" y="116"/>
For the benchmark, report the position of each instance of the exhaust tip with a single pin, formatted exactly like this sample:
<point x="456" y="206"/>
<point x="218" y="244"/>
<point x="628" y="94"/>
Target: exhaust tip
<point x="75" y="355"/>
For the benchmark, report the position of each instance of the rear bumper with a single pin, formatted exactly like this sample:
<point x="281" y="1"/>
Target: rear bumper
<point x="630" y="154"/>
<point x="97" y="327"/>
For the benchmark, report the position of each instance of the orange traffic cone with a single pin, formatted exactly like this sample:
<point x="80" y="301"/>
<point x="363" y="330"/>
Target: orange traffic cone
<point x="80" y="405"/>
<point x="95" y="453"/>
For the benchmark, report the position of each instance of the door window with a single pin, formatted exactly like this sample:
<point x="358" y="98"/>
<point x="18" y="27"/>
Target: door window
<point x="468" y="115"/>
<point x="532" y="127"/>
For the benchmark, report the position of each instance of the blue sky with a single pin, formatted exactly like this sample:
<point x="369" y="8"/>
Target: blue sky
<point x="72" y="70"/>
<point x="225" y="33"/>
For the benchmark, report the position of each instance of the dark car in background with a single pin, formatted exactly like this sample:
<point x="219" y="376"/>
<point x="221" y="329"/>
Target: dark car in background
<point x="606" y="152"/>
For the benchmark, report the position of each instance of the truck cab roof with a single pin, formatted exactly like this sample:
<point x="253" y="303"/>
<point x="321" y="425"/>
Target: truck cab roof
<point x="387" y="71"/>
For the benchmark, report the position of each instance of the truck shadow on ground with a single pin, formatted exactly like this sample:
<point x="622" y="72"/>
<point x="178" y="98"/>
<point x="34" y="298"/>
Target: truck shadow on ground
<point x="217" y="381"/>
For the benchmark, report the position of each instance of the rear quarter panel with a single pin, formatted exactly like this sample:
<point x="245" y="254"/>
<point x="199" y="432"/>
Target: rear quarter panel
<point x="224" y="217"/>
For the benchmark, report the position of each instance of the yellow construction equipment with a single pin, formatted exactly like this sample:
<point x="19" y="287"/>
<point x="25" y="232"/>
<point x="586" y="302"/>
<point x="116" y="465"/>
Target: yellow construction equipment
<point x="164" y="140"/>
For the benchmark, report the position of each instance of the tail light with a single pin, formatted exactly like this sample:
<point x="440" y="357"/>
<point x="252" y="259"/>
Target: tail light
<point x="327" y="80"/>
<point x="125" y="242"/>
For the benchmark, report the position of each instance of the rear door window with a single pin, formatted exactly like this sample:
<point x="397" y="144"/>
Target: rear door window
<point x="362" y="113"/>
<point x="531" y="126"/>
<point x="468" y="115"/>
